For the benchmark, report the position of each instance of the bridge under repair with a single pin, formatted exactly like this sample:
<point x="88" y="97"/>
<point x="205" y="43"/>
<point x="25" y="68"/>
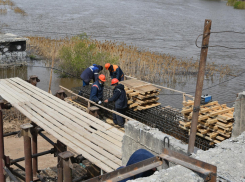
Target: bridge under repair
<point x="84" y="134"/>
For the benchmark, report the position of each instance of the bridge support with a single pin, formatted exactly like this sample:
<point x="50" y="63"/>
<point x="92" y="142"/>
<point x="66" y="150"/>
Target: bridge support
<point x="26" y="133"/>
<point x="67" y="172"/>
<point x="2" y="178"/>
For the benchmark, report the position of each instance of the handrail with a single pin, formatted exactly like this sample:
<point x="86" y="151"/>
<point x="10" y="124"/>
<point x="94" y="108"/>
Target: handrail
<point x="89" y="101"/>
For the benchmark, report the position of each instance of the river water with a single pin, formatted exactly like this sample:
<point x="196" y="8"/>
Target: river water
<point x="169" y="27"/>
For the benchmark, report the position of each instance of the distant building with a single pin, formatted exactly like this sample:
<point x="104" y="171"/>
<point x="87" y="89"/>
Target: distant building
<point x="12" y="48"/>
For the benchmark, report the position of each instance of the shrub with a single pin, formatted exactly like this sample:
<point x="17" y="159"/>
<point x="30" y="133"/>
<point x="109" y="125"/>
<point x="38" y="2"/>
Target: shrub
<point x="239" y="5"/>
<point x="231" y="2"/>
<point x="80" y="54"/>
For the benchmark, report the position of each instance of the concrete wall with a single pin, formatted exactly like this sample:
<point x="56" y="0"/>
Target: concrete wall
<point x="12" y="48"/>
<point x="239" y="124"/>
<point x="140" y="136"/>
<point x="228" y="156"/>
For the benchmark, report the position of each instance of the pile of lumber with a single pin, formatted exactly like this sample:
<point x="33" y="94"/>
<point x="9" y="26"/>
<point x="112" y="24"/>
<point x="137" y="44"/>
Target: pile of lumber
<point x="215" y="121"/>
<point x="141" y="95"/>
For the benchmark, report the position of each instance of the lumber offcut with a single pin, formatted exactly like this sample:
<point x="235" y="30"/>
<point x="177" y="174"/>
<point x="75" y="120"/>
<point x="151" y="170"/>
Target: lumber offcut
<point x="214" y="121"/>
<point x="141" y="95"/>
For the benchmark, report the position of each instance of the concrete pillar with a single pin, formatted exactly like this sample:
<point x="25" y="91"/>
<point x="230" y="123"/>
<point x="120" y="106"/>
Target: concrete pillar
<point x="239" y="124"/>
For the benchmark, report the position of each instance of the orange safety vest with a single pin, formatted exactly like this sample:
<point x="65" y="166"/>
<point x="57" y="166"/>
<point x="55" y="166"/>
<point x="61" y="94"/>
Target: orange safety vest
<point x="114" y="68"/>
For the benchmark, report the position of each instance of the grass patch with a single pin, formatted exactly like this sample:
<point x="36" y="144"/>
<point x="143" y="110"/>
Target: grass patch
<point x="239" y="5"/>
<point x="236" y="4"/>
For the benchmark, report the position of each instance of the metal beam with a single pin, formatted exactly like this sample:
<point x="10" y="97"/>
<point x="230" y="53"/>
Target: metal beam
<point x="12" y="177"/>
<point x="27" y="150"/>
<point x="199" y="85"/>
<point x="2" y="178"/>
<point x="129" y="171"/>
<point x="51" y="151"/>
<point x="210" y="171"/>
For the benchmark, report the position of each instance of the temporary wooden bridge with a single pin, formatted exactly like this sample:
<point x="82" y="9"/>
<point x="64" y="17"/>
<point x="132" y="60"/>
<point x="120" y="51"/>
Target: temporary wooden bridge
<point x="96" y="140"/>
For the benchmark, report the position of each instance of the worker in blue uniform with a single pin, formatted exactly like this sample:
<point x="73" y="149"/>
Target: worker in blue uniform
<point x="92" y="72"/>
<point x="97" y="88"/>
<point x="121" y="102"/>
<point x="115" y="71"/>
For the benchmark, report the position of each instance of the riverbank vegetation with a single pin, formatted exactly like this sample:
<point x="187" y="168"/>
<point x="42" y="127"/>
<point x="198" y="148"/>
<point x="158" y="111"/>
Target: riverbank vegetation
<point x="74" y="54"/>
<point x="237" y="4"/>
<point x="8" y="4"/>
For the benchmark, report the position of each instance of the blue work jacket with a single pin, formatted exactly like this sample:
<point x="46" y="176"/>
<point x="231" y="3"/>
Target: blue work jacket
<point x="96" y="93"/>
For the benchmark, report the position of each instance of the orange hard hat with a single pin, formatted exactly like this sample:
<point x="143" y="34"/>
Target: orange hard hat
<point x="102" y="78"/>
<point x="107" y="65"/>
<point x="114" y="81"/>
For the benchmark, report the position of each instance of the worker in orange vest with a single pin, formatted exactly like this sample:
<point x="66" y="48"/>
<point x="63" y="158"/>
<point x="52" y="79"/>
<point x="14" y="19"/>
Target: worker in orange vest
<point x="115" y="71"/>
<point x="120" y="99"/>
<point x="97" y="88"/>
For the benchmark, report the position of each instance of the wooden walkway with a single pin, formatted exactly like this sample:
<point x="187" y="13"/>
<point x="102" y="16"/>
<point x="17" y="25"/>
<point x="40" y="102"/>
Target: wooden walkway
<point x="96" y="140"/>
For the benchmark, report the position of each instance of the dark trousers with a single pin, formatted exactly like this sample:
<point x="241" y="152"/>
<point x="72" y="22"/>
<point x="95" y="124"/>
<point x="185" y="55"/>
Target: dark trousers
<point x="119" y="120"/>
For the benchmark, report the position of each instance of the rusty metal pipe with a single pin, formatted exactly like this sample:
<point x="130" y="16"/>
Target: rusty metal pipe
<point x="34" y="151"/>
<point x="67" y="172"/>
<point x="10" y="134"/>
<point x="35" y="155"/>
<point x="199" y="85"/>
<point x="12" y="177"/>
<point x="18" y="175"/>
<point x="47" y="139"/>
<point x="28" y="158"/>
<point x="19" y="166"/>
<point x="2" y="178"/>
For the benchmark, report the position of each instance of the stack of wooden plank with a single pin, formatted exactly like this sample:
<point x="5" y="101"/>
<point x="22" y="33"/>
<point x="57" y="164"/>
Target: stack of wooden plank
<point x="215" y="121"/>
<point x="141" y="95"/>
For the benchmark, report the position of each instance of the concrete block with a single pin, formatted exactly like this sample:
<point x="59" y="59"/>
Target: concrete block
<point x="132" y="129"/>
<point x="239" y="124"/>
<point x="173" y="174"/>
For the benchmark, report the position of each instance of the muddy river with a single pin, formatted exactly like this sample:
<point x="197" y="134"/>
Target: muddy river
<point x="162" y="26"/>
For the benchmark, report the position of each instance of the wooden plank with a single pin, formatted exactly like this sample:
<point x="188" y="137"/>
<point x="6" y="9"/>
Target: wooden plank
<point x="77" y="120"/>
<point x="78" y="139"/>
<point x="212" y="121"/>
<point x="76" y="128"/>
<point x="70" y="113"/>
<point x="145" y="88"/>
<point x="57" y="124"/>
<point x="185" y="124"/>
<point x="220" y="138"/>
<point x="221" y="112"/>
<point x="91" y="158"/>
<point x="129" y="91"/>
<point x="133" y="94"/>
<point x="147" y="95"/>
<point x="66" y="120"/>
<point x="130" y="101"/>
<point x="133" y="105"/>
<point x="147" y="100"/>
<point x="148" y="106"/>
<point x="63" y="104"/>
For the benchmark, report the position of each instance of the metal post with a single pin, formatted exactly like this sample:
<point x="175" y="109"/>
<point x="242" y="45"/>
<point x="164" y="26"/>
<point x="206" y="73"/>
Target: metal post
<point x="67" y="172"/>
<point x="199" y="85"/>
<point x="27" y="148"/>
<point x="2" y="178"/>
<point x="60" y="147"/>
<point x="34" y="151"/>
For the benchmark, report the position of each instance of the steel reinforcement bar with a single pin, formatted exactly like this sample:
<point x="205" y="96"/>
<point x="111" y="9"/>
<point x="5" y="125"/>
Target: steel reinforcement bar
<point x="163" y="118"/>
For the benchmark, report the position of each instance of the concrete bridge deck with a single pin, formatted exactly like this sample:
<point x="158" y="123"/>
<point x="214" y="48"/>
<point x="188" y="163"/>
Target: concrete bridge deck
<point x="96" y="140"/>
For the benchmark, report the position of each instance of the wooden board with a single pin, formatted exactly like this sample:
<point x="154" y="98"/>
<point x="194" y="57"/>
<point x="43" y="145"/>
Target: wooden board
<point x="101" y="143"/>
<point x="148" y="106"/>
<point x="139" y="86"/>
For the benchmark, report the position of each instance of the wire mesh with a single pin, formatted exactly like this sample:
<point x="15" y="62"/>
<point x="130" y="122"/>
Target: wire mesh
<point x="166" y="119"/>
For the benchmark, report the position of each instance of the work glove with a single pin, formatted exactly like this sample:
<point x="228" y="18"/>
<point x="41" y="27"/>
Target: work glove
<point x="100" y="102"/>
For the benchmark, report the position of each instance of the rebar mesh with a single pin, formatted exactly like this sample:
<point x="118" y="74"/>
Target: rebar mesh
<point x="164" y="118"/>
